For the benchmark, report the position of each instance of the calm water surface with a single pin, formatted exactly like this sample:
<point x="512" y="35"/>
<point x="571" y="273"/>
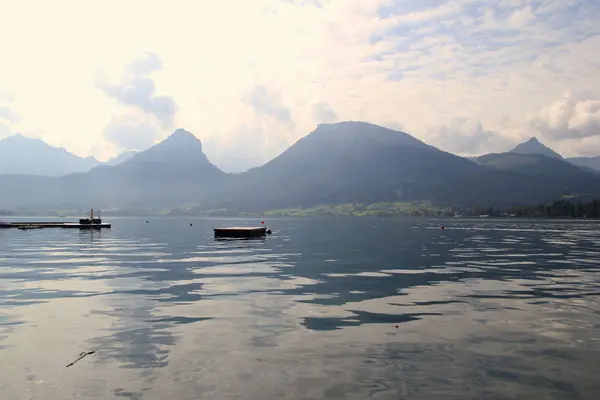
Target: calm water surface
<point x="345" y="308"/>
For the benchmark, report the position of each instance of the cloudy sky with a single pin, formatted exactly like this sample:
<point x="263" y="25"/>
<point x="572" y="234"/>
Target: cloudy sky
<point x="250" y="77"/>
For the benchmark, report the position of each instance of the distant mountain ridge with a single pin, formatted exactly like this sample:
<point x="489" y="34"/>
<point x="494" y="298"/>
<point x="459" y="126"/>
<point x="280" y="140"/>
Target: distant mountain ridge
<point x="22" y="155"/>
<point x="120" y="158"/>
<point x="364" y="163"/>
<point x="534" y="146"/>
<point x="347" y="162"/>
<point x="547" y="169"/>
<point x="548" y="174"/>
<point x="586" y="162"/>
<point x="173" y="170"/>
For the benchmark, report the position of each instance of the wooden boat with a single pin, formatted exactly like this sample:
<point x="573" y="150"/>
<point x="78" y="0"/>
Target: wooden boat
<point x="242" y="232"/>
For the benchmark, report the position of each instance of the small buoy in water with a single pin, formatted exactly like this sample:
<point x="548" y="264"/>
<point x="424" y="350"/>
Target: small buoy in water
<point x="442" y="227"/>
<point x="268" y="231"/>
<point x="191" y="224"/>
<point x="146" y="221"/>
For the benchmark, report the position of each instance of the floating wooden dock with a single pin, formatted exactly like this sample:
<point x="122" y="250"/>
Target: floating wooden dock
<point x="84" y="223"/>
<point x="41" y="225"/>
<point x="242" y="232"/>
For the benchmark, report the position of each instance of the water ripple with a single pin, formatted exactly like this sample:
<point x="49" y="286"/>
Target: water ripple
<point x="336" y="308"/>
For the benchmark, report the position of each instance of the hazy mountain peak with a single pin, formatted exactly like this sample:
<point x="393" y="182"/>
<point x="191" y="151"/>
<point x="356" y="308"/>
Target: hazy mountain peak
<point x="180" y="139"/>
<point x="534" y="146"/>
<point x="22" y="155"/>
<point x="360" y="134"/>
<point x="179" y="148"/>
<point x="19" y="138"/>
<point x="181" y="135"/>
<point x="354" y="128"/>
<point x="350" y="125"/>
<point x="345" y="123"/>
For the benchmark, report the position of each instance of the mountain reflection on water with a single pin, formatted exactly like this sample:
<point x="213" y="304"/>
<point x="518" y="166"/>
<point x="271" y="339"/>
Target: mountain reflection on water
<point x="333" y="308"/>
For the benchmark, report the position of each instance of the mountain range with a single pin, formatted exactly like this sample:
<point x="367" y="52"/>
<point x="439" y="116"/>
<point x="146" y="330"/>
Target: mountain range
<point x="534" y="146"/>
<point x="22" y="155"/>
<point x="346" y="162"/>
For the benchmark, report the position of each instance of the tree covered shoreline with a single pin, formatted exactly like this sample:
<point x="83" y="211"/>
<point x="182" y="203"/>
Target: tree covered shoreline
<point x="558" y="209"/>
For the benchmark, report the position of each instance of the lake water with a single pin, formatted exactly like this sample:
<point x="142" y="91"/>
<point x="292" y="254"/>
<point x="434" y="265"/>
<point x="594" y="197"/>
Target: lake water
<point x="340" y="308"/>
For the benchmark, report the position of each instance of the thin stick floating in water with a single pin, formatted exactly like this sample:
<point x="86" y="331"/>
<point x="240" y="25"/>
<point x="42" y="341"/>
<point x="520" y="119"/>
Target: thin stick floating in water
<point x="81" y="355"/>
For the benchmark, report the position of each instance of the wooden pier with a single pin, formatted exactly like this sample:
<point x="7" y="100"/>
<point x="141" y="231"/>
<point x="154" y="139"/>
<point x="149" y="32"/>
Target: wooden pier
<point x="84" y="223"/>
<point x="42" y="225"/>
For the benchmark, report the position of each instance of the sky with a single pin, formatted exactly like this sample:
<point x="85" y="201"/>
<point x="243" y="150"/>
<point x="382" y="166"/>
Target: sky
<point x="250" y="77"/>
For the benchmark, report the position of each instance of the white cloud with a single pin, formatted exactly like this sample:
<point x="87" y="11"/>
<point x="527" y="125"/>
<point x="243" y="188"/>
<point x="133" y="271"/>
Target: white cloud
<point x="517" y="18"/>
<point x="432" y="13"/>
<point x="4" y="131"/>
<point x="513" y="3"/>
<point x="575" y="116"/>
<point x="467" y="137"/>
<point x="586" y="147"/>
<point x="521" y="17"/>
<point x="132" y="132"/>
<point x="145" y="64"/>
<point x="322" y="113"/>
<point x="247" y="145"/>
<point x="8" y="115"/>
<point x="268" y="103"/>
<point x="138" y="90"/>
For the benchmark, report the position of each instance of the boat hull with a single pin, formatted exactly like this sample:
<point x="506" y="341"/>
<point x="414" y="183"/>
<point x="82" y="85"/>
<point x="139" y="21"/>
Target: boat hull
<point x="241" y="232"/>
